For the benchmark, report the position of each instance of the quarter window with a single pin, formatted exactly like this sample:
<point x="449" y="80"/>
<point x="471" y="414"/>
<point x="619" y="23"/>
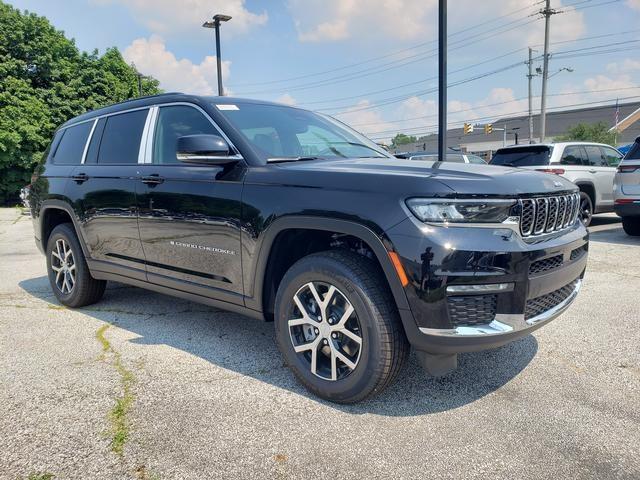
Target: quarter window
<point x="121" y="138"/>
<point x="595" y="156"/>
<point x="71" y="146"/>
<point x="175" y="122"/>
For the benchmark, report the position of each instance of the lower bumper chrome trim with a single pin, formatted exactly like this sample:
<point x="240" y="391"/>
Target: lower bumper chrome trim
<point x="503" y="324"/>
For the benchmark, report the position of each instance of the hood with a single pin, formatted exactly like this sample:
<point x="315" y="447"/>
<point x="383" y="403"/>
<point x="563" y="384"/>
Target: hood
<point x="412" y="176"/>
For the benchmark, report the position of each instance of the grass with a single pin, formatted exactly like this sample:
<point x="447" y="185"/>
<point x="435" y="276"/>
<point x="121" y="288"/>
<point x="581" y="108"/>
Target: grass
<point x="41" y="476"/>
<point x="118" y="415"/>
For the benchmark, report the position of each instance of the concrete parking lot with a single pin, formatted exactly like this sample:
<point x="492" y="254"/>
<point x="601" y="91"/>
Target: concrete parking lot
<point x="145" y="386"/>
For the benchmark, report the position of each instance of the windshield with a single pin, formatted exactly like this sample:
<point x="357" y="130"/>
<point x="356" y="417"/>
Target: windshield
<point x="522" y="157"/>
<point x="279" y="133"/>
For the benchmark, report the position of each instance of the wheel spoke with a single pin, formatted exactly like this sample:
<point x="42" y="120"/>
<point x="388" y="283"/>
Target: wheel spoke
<point x="56" y="269"/>
<point x="343" y="358"/>
<point x="58" y="275"/>
<point x="307" y="346"/>
<point x="345" y="316"/>
<point x="55" y="254"/>
<point x="299" y="321"/>
<point x="351" y="335"/>
<point x="301" y="307"/>
<point x="316" y="295"/>
<point x="334" y="365"/>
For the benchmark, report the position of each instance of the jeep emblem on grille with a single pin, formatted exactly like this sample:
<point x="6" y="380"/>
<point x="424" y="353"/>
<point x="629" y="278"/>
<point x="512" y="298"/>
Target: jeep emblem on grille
<point x="557" y="184"/>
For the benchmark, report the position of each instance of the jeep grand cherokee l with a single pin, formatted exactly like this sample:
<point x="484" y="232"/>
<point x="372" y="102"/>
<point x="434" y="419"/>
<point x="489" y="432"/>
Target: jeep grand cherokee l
<point x="626" y="190"/>
<point x="290" y="216"/>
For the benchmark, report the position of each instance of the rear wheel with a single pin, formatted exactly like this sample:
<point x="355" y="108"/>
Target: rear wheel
<point x="586" y="209"/>
<point x="337" y="326"/>
<point x="69" y="275"/>
<point x="631" y="226"/>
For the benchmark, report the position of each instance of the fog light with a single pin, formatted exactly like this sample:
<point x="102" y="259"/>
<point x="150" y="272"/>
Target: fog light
<point x="486" y="288"/>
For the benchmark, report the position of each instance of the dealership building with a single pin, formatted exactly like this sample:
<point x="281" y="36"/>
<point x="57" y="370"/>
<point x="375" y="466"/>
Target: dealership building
<point x="558" y="123"/>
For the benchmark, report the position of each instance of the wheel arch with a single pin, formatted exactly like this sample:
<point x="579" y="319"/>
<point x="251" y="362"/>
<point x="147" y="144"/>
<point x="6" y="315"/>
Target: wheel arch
<point x="264" y="291"/>
<point x="54" y="213"/>
<point x="590" y="189"/>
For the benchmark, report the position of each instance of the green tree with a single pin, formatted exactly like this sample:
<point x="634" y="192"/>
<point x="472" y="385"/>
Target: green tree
<point x="588" y="132"/>
<point x="44" y="81"/>
<point x="402" y="139"/>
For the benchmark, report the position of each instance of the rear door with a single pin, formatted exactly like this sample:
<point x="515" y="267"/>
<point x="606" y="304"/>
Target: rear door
<point x="189" y="213"/>
<point x="103" y="191"/>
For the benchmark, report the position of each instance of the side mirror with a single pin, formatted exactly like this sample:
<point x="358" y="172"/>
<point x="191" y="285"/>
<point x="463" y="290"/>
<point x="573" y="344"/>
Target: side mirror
<point x="210" y="149"/>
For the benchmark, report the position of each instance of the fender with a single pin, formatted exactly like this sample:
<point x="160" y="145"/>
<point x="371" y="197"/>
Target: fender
<point x="61" y="205"/>
<point x="321" y="223"/>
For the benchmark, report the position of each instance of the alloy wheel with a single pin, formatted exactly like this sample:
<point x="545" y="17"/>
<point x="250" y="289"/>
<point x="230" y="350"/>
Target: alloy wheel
<point x="585" y="210"/>
<point x="325" y="331"/>
<point x="63" y="265"/>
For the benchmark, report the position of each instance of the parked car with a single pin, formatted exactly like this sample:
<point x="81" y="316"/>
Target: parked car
<point x="626" y="190"/>
<point x="24" y="196"/>
<point x="591" y="166"/>
<point x="451" y="157"/>
<point x="290" y="216"/>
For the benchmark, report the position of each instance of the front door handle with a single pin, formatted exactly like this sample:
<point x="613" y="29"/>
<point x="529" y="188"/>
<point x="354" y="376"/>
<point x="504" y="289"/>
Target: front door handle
<point x="593" y="171"/>
<point x="153" y="179"/>
<point x="80" y="177"/>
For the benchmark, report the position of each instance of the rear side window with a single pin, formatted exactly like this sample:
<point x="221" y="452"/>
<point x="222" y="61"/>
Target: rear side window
<point x="634" y="151"/>
<point x="121" y="138"/>
<point x="71" y="146"/>
<point x="522" y="157"/>
<point x="574" y="156"/>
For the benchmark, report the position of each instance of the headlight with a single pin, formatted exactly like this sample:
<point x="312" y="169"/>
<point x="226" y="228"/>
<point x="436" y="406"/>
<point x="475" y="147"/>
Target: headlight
<point x="461" y="210"/>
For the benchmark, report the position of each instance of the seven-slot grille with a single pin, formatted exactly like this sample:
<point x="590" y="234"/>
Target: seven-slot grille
<point x="548" y="214"/>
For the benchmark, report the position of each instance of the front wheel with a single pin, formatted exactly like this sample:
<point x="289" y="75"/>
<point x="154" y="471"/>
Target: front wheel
<point x="631" y="226"/>
<point x="338" y="328"/>
<point x="586" y="209"/>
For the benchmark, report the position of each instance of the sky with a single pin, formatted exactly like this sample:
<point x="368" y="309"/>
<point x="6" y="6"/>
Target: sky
<point x="370" y="63"/>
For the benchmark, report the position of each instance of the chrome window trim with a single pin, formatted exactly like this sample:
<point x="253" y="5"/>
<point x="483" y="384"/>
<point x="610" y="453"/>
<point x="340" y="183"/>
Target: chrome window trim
<point x="236" y="156"/>
<point x="86" y="145"/>
<point x="142" y="148"/>
<point x="105" y="115"/>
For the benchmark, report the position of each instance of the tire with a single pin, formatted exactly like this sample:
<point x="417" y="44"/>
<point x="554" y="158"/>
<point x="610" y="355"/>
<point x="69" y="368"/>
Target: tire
<point x="631" y="226"/>
<point x="586" y="209"/>
<point x="66" y="262"/>
<point x="383" y="348"/>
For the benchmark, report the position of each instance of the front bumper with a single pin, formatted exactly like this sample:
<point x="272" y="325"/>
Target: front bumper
<point x="435" y="258"/>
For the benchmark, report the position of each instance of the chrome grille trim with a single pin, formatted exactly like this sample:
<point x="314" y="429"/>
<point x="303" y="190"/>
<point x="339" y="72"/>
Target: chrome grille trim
<point x="542" y="215"/>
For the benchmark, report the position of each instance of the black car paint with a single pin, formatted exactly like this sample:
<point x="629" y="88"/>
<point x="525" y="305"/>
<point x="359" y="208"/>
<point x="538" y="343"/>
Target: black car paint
<point x="242" y="208"/>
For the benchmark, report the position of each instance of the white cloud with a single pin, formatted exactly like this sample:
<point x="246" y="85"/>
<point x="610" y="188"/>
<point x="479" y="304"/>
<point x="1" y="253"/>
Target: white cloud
<point x="634" y="4"/>
<point x="331" y="20"/>
<point x="286" y="99"/>
<point x="151" y="57"/>
<point x="626" y="66"/>
<point x="335" y="20"/>
<point x="170" y="16"/>
<point x="367" y="122"/>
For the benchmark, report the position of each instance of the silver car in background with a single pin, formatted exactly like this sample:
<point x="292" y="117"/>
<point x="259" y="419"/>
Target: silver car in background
<point x="591" y="166"/>
<point x="626" y="190"/>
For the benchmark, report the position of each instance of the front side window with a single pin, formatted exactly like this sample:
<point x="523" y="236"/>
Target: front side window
<point x="71" y="146"/>
<point x="612" y="157"/>
<point x="574" y="156"/>
<point x="174" y="122"/>
<point x="280" y="132"/>
<point x="121" y="138"/>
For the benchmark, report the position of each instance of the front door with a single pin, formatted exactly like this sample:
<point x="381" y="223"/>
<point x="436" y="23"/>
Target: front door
<point x="189" y="215"/>
<point x="603" y="175"/>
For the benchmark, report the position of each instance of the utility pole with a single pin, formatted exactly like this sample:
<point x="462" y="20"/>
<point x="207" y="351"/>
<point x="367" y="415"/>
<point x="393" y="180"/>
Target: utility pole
<point x="139" y="84"/>
<point x="547" y="12"/>
<point x="442" y="80"/>
<point x="530" y="77"/>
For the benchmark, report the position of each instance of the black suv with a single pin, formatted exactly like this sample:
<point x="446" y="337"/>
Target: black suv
<point x="290" y="216"/>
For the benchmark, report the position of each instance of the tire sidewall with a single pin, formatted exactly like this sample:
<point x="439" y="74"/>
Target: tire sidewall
<point x="584" y="195"/>
<point x="65" y="233"/>
<point x="328" y="270"/>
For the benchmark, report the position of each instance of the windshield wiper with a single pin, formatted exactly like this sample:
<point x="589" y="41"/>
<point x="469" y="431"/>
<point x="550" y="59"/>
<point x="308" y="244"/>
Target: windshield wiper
<point x="291" y="159"/>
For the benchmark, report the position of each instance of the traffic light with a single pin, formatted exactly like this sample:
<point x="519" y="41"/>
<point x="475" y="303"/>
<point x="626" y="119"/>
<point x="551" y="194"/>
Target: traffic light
<point x="488" y="129"/>
<point x="468" y="128"/>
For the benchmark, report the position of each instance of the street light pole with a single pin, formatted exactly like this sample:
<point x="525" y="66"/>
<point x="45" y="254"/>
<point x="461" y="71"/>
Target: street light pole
<point x="442" y="81"/>
<point x="547" y="12"/>
<point x="217" y="19"/>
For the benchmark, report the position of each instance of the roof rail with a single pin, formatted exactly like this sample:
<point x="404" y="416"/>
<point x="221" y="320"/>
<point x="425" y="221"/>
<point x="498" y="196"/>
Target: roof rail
<point x="147" y="96"/>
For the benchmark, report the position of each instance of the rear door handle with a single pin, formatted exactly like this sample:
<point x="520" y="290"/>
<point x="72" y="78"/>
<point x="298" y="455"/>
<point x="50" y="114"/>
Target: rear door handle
<point x="593" y="171"/>
<point x="153" y="179"/>
<point x="80" y="177"/>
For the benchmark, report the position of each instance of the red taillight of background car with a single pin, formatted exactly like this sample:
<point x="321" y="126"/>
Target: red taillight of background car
<point x="628" y="168"/>
<point x="557" y="171"/>
<point x="626" y="201"/>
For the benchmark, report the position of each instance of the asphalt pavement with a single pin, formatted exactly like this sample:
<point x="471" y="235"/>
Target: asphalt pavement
<point x="146" y="386"/>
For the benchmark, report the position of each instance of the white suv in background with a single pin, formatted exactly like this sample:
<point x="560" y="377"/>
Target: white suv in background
<point x="626" y="190"/>
<point x="591" y="166"/>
